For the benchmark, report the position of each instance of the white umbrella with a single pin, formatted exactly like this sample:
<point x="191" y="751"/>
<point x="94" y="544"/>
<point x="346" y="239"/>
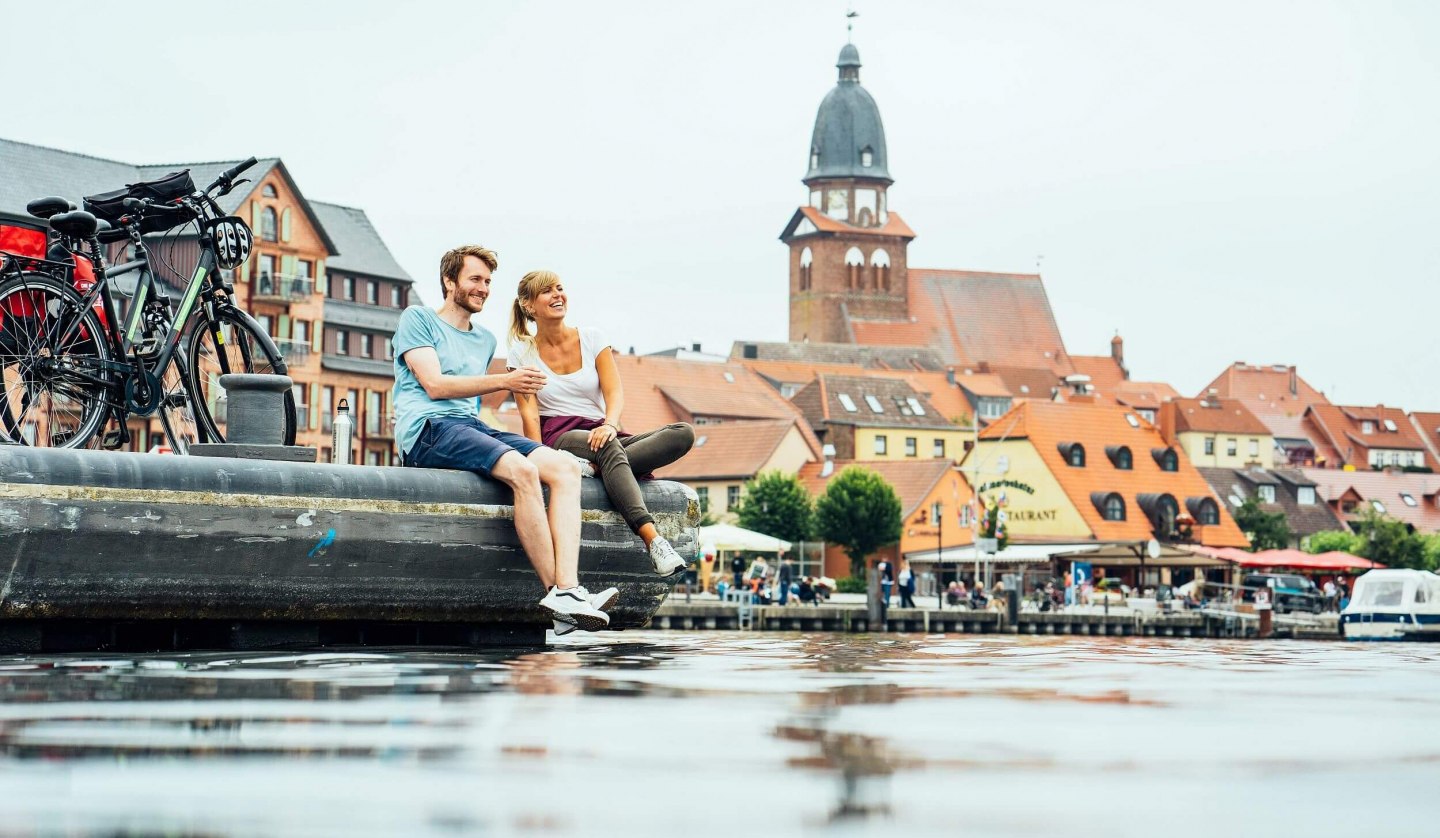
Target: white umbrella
<point x="730" y="537"/>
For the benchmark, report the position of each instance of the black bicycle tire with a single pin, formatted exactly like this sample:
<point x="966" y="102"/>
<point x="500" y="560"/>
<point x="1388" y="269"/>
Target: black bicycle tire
<point x="176" y="444"/>
<point x="45" y="282"/>
<point x="199" y="329"/>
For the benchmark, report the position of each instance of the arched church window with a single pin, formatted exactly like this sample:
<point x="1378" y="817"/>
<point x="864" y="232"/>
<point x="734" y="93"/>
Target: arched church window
<point x="806" y="257"/>
<point x="855" y="264"/>
<point x="880" y="264"/>
<point x="867" y="157"/>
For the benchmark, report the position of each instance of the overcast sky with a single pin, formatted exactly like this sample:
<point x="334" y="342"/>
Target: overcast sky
<point x="1218" y="181"/>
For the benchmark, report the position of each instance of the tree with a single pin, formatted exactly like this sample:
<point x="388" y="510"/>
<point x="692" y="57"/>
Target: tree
<point x="1389" y="540"/>
<point x="1328" y="540"/>
<point x="860" y="512"/>
<point x="1266" y="530"/>
<point x="776" y="504"/>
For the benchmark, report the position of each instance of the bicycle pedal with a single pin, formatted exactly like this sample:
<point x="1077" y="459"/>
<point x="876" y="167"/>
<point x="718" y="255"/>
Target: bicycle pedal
<point x="113" y="440"/>
<point x="148" y="347"/>
<point x="175" y="400"/>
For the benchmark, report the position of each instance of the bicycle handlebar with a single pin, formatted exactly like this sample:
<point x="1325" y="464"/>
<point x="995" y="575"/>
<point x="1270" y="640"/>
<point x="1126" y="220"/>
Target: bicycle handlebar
<point x="229" y="174"/>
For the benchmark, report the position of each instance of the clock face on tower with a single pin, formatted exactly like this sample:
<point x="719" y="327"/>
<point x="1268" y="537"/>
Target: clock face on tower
<point x="837" y="204"/>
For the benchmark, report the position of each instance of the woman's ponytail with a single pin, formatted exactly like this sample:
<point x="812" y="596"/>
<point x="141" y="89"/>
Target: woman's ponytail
<point x="519" y="323"/>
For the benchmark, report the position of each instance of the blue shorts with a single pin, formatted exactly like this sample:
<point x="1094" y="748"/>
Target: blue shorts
<point x="466" y="444"/>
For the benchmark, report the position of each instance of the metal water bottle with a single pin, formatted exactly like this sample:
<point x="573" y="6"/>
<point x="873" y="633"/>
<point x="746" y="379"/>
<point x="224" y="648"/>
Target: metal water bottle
<point x="343" y="431"/>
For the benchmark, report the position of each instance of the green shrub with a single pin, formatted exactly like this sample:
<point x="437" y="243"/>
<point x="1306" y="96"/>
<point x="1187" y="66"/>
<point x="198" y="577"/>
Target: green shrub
<point x="850" y="585"/>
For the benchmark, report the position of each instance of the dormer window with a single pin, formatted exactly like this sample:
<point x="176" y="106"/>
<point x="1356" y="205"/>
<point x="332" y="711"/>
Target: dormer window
<point x="1266" y="493"/>
<point x="1390" y="426"/>
<point x="1166" y="459"/>
<point x="1074" y="454"/>
<point x="814" y="158"/>
<point x="847" y="402"/>
<point x="1408" y="498"/>
<point x="1378" y="506"/>
<point x="1367" y="427"/>
<point x="1205" y="510"/>
<point x="1110" y="504"/>
<point x="1306" y="495"/>
<point x="1120" y="457"/>
<point x="867" y="157"/>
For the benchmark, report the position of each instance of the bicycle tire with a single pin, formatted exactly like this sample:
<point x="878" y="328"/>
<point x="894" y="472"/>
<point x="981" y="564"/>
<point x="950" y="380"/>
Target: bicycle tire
<point x="246" y="348"/>
<point x="40" y="382"/>
<point x="177" y="408"/>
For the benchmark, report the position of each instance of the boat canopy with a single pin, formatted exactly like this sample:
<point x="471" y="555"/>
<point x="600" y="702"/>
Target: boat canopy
<point x="1407" y="590"/>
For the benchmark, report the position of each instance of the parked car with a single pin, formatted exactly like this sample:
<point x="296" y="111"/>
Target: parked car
<point x="1288" y="592"/>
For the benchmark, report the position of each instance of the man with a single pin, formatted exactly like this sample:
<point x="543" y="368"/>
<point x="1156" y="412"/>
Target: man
<point x="737" y="568"/>
<point x="441" y="363"/>
<point x="784" y="577"/>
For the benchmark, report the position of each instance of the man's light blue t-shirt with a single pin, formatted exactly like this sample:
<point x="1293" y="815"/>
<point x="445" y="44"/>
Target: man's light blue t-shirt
<point x="461" y="353"/>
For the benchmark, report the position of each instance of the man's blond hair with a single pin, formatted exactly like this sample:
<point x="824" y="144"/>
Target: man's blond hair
<point x="454" y="261"/>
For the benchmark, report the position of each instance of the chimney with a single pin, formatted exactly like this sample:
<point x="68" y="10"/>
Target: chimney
<point x="1294" y="382"/>
<point x="694" y="347"/>
<point x="1117" y="349"/>
<point x="750" y="350"/>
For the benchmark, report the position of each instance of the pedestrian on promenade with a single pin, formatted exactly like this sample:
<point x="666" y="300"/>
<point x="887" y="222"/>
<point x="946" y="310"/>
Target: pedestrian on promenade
<point x="887" y="581"/>
<point x="578" y="407"/>
<point x="907" y="585"/>
<point x="737" y="569"/>
<point x="783" y="578"/>
<point x="441" y="370"/>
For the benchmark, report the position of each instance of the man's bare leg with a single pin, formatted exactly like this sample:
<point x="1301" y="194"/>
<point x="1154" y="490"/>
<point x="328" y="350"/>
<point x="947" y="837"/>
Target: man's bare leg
<point x="523" y="478"/>
<point x="561" y="472"/>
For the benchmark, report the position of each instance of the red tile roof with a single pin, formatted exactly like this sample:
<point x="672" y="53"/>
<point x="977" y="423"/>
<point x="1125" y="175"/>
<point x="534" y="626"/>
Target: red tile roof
<point x="730" y="450"/>
<point x="1224" y="416"/>
<point x="1266" y="390"/>
<point x="1387" y="488"/>
<point x="1342" y="430"/>
<point x="1048" y="424"/>
<point x="1104" y="373"/>
<point x="894" y="225"/>
<point x="912" y="479"/>
<point x="1428" y="426"/>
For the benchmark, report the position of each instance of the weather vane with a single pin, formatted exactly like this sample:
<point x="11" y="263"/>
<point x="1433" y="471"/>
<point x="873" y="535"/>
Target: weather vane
<point x="850" y="15"/>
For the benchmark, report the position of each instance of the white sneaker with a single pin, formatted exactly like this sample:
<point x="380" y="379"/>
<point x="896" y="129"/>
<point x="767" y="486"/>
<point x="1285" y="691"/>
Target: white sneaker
<point x="587" y="468"/>
<point x="664" y="559"/>
<point x="572" y="605"/>
<point x="601" y="601"/>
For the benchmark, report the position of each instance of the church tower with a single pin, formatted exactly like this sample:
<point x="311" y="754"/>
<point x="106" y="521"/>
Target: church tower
<point x="847" y="250"/>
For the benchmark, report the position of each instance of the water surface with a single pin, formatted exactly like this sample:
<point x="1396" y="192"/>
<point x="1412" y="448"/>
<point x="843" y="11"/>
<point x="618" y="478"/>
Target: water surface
<point x="732" y="733"/>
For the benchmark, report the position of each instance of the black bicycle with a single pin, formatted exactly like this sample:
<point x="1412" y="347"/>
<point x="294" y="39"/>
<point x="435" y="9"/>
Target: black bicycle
<point x="68" y="364"/>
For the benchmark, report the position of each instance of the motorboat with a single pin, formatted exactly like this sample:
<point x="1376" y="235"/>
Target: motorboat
<point x="1393" y="604"/>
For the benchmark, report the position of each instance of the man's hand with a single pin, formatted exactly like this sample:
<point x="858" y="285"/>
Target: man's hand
<point x="524" y="380"/>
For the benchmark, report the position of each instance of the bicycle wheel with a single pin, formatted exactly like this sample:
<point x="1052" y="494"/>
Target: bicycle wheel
<point x="52" y="394"/>
<point x="177" y="411"/>
<point x="231" y="342"/>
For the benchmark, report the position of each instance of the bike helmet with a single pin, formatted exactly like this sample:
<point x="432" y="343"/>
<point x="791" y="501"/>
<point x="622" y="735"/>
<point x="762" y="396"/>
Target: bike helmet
<point x="232" y="239"/>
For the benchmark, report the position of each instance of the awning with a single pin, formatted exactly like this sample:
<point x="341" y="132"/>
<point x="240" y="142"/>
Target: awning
<point x="1290" y="559"/>
<point x="1012" y="554"/>
<point x="730" y="537"/>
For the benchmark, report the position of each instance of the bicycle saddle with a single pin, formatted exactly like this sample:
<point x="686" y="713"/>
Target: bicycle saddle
<point x="48" y="206"/>
<point x="76" y="223"/>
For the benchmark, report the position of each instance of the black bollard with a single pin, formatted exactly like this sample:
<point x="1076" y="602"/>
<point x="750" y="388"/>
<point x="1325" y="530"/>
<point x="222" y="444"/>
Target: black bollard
<point x="252" y="429"/>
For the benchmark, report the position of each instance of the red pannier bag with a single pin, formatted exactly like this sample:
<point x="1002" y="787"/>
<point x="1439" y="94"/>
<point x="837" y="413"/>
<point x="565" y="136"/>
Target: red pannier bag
<point x="30" y="242"/>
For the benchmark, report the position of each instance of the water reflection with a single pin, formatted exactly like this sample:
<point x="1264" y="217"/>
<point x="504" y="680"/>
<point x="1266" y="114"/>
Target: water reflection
<point x="724" y="732"/>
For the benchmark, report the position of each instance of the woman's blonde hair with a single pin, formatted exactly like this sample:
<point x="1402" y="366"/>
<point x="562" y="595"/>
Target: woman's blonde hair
<point x="532" y="285"/>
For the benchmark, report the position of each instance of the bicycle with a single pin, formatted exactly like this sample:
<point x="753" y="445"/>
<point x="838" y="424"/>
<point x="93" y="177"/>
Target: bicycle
<point x="68" y="365"/>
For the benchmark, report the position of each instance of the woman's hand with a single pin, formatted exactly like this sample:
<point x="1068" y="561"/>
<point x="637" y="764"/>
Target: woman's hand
<point x="524" y="380"/>
<point x="602" y="435"/>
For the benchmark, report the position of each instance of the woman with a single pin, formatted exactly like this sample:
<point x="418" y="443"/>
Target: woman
<point x="578" y="410"/>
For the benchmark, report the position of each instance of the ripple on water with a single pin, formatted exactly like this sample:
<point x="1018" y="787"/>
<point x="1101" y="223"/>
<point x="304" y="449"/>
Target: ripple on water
<point x="718" y="732"/>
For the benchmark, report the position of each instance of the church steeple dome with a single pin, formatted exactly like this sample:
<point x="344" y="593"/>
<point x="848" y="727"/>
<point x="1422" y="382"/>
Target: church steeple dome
<point x="849" y="138"/>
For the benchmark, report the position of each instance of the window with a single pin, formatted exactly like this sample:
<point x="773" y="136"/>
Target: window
<point x="874" y="403"/>
<point x="1367" y="427"/>
<point x="882" y="444"/>
<point x="1209" y="445"/>
<point x="1148" y="414"/>
<point x="302" y="408"/>
<point x="1266" y="493"/>
<point x="1408" y="498"/>
<point x="267" y="275"/>
<point x="268" y="225"/>
<point x="269" y="191"/>
<point x="911" y="447"/>
<point x="1131" y="420"/>
<point x="915" y="405"/>
<point x="396" y="300"/>
<point x="1208" y="512"/>
<point x="1378" y="506"/>
<point x="1254" y="447"/>
<point x="1390" y="426"/>
<point x="1120" y="457"/>
<point x="304" y="268"/>
<point x="939" y="451"/>
<point x="367" y="346"/>
<point x="1232" y="447"/>
<point x="302" y="332"/>
<point x="349" y="287"/>
<point x="267" y="324"/>
<point x="847" y="402"/>
<point x="1074" y="454"/>
<point x="1166" y="458"/>
<point x="372" y="293"/>
<point x="732" y="496"/>
<point x="342" y="342"/>
<point x="867" y="157"/>
<point x="327" y="407"/>
<point x="703" y="493"/>
<point x="1306" y="495"/>
<point x="389" y="350"/>
<point x="1114" y="508"/>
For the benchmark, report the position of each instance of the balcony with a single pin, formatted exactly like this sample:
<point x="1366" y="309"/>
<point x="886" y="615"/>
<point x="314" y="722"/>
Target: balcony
<point x="284" y="288"/>
<point x="295" y="352"/>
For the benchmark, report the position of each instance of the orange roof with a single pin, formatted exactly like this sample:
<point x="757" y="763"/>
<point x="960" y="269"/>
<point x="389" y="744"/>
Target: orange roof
<point x="1386" y="487"/>
<point x="891" y="332"/>
<point x="1342" y="429"/>
<point x="730" y="450"/>
<point x="894" y="226"/>
<point x="797" y="372"/>
<point x="912" y="479"/>
<point x="1096" y="426"/>
<point x="1428" y="426"/>
<point x="1276" y="389"/>
<point x="1224" y="416"/>
<point x="1026" y="382"/>
<point x="1104" y="373"/>
<point x="1146" y="394"/>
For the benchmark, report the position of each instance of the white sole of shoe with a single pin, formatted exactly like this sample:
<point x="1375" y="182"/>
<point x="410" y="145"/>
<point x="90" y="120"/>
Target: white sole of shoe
<point x="582" y="621"/>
